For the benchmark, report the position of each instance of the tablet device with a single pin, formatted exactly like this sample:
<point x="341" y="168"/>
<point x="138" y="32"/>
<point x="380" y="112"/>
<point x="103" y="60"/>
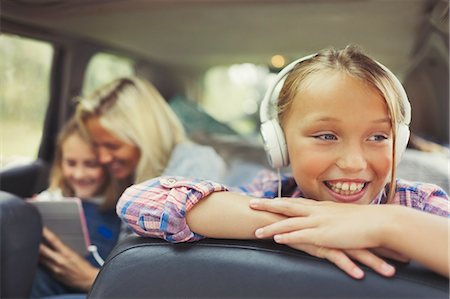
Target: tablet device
<point x="65" y="218"/>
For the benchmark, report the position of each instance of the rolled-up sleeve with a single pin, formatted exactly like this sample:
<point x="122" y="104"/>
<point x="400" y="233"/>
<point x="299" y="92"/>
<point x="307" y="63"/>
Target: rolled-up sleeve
<point x="157" y="208"/>
<point x="422" y="196"/>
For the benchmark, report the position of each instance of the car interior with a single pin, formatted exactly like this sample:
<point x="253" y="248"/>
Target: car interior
<point x="212" y="61"/>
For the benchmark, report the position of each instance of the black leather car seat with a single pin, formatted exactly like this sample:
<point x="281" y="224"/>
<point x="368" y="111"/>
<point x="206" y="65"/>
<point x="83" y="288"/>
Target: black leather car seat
<point x="20" y="235"/>
<point x="150" y="268"/>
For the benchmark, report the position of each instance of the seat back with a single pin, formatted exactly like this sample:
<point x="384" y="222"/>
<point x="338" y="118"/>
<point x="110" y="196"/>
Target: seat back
<point x="150" y="268"/>
<point x="20" y="235"/>
<point x="25" y="180"/>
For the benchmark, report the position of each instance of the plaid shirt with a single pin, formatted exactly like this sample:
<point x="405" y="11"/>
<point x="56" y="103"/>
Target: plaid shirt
<point x="157" y="207"/>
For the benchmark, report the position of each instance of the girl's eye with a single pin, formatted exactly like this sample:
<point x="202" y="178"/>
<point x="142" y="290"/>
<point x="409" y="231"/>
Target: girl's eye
<point x="92" y="164"/>
<point x="378" y="137"/>
<point x="326" y="137"/>
<point x="112" y="147"/>
<point x="70" y="163"/>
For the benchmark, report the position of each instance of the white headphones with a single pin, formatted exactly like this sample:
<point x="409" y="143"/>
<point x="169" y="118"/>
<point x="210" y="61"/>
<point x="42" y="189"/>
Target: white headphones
<point x="273" y="136"/>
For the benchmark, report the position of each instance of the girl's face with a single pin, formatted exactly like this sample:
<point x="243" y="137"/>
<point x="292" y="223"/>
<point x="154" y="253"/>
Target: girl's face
<point x="80" y="167"/>
<point x="120" y="157"/>
<point x="339" y="139"/>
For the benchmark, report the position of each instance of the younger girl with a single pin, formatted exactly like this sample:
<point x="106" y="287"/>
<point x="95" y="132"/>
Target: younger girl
<point x="344" y="120"/>
<point x="76" y="173"/>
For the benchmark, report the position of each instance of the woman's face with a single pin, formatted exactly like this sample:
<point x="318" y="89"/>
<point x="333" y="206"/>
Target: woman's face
<point x="121" y="158"/>
<point x="339" y="139"/>
<point x="80" y="167"/>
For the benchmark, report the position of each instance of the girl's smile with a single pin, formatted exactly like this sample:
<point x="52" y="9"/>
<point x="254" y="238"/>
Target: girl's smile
<point x="338" y="135"/>
<point x="81" y="168"/>
<point x="347" y="190"/>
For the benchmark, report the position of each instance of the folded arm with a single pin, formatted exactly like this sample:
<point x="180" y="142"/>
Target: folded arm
<point x="227" y="215"/>
<point x="181" y="210"/>
<point x="421" y="236"/>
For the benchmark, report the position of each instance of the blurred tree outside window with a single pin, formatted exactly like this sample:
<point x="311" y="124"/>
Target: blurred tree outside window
<point x="104" y="68"/>
<point x="232" y="95"/>
<point x="25" y="66"/>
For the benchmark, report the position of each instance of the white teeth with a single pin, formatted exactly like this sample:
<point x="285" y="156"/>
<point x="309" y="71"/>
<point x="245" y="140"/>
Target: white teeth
<point x="346" y="188"/>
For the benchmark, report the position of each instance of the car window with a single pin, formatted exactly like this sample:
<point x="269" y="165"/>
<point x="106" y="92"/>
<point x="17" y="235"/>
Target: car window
<point x="104" y="68"/>
<point x="232" y="95"/>
<point x="25" y="66"/>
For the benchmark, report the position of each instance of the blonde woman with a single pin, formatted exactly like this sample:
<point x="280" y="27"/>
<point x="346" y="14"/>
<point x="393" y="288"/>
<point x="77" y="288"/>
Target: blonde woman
<point x="139" y="137"/>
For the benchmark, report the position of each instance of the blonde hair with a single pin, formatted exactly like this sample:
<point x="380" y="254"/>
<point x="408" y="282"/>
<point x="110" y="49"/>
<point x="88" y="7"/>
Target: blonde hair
<point x="354" y="62"/>
<point x="57" y="179"/>
<point x="134" y="111"/>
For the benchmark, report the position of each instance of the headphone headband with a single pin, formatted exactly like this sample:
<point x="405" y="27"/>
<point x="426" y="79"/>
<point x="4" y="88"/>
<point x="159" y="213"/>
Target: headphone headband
<point x="264" y="113"/>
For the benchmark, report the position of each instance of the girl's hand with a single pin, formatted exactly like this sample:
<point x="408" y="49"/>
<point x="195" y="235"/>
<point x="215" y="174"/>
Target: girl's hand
<point x="66" y="265"/>
<point x="393" y="255"/>
<point x="336" y="232"/>
<point x="323" y="223"/>
<point x="343" y="259"/>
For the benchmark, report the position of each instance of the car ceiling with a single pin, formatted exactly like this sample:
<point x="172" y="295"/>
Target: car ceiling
<point x="199" y="34"/>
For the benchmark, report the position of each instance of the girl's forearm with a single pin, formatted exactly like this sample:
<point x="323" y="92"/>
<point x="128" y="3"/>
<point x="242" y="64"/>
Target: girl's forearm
<point x="421" y="236"/>
<point x="228" y="215"/>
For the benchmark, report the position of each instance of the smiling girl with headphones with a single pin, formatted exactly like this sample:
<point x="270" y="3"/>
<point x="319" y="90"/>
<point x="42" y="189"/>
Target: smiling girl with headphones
<point x="341" y="122"/>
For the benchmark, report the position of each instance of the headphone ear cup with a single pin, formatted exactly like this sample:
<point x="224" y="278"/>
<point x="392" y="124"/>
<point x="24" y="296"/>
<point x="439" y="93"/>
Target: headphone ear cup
<point x="402" y="141"/>
<point x="274" y="144"/>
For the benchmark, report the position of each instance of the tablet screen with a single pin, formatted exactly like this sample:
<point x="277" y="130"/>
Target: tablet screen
<point x="65" y="218"/>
